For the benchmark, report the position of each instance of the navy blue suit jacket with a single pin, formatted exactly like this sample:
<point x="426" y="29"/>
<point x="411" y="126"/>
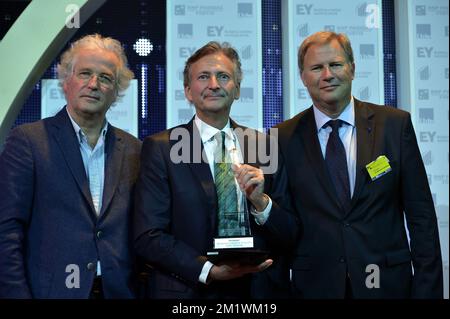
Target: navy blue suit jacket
<point x="175" y="222"/>
<point x="48" y="223"/>
<point x="336" y="241"/>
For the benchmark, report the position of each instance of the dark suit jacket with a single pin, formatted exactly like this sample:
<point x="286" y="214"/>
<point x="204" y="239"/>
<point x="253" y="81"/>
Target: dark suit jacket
<point x="47" y="218"/>
<point x="372" y="231"/>
<point x="175" y="222"/>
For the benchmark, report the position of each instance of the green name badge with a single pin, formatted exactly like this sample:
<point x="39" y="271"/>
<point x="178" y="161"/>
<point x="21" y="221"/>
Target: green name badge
<point x="378" y="167"/>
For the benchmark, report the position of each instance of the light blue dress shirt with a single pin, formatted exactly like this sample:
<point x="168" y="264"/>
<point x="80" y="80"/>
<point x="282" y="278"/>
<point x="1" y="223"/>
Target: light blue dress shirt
<point x="94" y="165"/>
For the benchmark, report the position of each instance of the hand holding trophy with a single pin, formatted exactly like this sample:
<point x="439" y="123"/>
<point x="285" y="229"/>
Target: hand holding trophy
<point x="251" y="182"/>
<point x="235" y="182"/>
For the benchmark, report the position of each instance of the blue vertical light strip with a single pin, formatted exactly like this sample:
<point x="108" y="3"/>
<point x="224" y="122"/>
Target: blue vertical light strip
<point x="272" y="63"/>
<point x="158" y="97"/>
<point x="390" y="75"/>
<point x="143" y="85"/>
<point x="161" y="79"/>
<point x="156" y="82"/>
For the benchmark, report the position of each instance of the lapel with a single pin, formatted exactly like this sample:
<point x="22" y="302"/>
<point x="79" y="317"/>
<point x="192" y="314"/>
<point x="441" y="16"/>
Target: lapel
<point x="307" y="134"/>
<point x="365" y="133"/>
<point x="67" y="140"/>
<point x="200" y="168"/>
<point x="114" y="150"/>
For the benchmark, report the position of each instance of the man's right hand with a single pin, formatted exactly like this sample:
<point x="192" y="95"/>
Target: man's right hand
<point x="229" y="271"/>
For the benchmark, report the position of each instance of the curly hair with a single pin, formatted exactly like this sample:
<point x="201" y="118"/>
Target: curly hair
<point x="123" y="73"/>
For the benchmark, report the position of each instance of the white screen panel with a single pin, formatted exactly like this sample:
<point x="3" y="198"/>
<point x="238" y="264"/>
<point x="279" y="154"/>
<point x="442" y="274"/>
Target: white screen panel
<point x="360" y="21"/>
<point x="192" y="24"/>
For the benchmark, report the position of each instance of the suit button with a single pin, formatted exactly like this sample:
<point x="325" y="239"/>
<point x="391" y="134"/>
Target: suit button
<point x="99" y="234"/>
<point x="91" y="266"/>
<point x="342" y="260"/>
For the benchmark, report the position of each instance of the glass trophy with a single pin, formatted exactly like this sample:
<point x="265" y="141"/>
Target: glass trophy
<point x="234" y="241"/>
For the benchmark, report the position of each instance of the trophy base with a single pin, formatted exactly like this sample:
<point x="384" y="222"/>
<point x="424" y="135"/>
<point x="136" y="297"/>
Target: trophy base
<point x="245" y="256"/>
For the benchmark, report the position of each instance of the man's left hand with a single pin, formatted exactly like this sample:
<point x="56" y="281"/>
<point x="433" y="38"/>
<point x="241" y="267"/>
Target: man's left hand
<point x="251" y="181"/>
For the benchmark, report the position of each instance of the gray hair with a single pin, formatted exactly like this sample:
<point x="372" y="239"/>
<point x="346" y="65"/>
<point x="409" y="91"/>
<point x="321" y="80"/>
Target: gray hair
<point x="123" y="73"/>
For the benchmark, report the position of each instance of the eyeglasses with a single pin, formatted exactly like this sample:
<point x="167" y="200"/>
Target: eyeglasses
<point x="105" y="80"/>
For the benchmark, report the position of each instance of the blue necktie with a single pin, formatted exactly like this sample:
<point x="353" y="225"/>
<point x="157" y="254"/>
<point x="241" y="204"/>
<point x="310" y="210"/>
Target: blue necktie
<point x="337" y="164"/>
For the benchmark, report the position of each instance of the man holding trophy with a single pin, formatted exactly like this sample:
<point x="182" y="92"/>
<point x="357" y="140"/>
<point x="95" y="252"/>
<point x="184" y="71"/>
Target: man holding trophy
<point x="212" y="208"/>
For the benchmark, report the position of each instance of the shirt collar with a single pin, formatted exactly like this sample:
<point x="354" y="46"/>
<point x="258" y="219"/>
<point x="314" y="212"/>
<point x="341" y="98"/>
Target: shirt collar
<point x="207" y="132"/>
<point x="79" y="132"/>
<point x="348" y="115"/>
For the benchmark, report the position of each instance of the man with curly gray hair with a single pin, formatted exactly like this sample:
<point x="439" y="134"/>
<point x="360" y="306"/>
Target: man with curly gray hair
<point x="66" y="186"/>
<point x="123" y="74"/>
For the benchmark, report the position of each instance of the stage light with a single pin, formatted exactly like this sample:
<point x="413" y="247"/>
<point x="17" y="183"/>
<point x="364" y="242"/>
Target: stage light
<point x="143" y="47"/>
